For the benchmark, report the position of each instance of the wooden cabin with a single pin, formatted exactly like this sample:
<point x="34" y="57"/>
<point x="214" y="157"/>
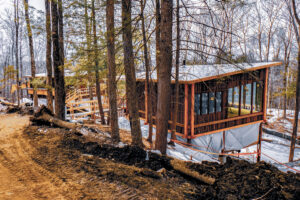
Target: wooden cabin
<point x="213" y="98"/>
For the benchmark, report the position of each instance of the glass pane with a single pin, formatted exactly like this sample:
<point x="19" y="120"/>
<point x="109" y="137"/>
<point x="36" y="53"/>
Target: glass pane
<point x="246" y="99"/>
<point x="197" y="104"/>
<point x="211" y="102"/>
<point x="254" y="96"/>
<point x="230" y="96"/>
<point x="233" y="104"/>
<point x="257" y="104"/>
<point x="219" y="101"/>
<point x="204" y="103"/>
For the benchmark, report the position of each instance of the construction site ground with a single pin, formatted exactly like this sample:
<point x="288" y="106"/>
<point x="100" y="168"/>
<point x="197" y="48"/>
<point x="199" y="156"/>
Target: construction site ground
<point x="41" y="162"/>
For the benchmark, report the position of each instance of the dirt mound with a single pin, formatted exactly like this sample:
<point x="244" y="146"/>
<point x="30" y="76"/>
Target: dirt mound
<point x="239" y="179"/>
<point x="130" y="155"/>
<point x="236" y="179"/>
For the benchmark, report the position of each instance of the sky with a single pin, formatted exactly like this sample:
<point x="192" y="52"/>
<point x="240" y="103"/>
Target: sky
<point x="38" y="4"/>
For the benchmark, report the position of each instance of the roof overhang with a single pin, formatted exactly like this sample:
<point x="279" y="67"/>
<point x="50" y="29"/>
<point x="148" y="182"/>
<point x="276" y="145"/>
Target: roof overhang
<point x="232" y="69"/>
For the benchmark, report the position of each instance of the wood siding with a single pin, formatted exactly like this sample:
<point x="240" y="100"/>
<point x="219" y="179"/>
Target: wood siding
<point x="191" y="124"/>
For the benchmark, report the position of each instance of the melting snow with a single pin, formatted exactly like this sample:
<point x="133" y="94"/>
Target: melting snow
<point x="277" y="149"/>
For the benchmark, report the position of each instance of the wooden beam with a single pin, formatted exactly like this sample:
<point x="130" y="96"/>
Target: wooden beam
<point x="265" y="94"/>
<point x="259" y="143"/>
<point x="169" y="121"/>
<point x="181" y="125"/>
<point x="223" y="149"/>
<point x="240" y="99"/>
<point x="146" y="103"/>
<point x="252" y="93"/>
<point x="186" y="109"/>
<point x="225" y="129"/>
<point x="193" y="110"/>
<point x="229" y="119"/>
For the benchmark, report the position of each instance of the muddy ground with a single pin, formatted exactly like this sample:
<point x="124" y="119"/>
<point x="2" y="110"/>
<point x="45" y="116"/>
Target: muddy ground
<point x="40" y="162"/>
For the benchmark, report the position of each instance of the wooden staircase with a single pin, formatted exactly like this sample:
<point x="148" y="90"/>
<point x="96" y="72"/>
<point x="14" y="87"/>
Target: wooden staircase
<point x="79" y="105"/>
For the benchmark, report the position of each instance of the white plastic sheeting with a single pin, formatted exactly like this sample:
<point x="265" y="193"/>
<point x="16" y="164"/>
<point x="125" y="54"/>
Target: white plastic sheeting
<point x="210" y="143"/>
<point x="238" y="138"/>
<point x="235" y="139"/>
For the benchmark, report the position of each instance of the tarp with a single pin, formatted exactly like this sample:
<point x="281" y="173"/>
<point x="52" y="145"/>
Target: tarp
<point x="235" y="139"/>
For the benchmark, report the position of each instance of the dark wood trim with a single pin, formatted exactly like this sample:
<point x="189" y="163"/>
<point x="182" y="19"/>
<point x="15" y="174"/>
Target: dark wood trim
<point x="252" y="93"/>
<point x="146" y="102"/>
<point x="259" y="143"/>
<point x="265" y="96"/>
<point x="229" y="119"/>
<point x="180" y="134"/>
<point x="192" y="109"/>
<point x="225" y="129"/>
<point x="240" y="99"/>
<point x="186" y="109"/>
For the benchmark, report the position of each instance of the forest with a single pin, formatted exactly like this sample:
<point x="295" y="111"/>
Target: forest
<point x="173" y="71"/>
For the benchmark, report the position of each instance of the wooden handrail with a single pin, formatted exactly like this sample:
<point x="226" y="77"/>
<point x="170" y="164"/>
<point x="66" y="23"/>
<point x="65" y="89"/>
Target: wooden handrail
<point x="228" y="120"/>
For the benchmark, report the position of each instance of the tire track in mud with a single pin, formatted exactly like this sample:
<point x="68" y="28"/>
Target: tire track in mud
<point x="32" y="180"/>
<point x="22" y="178"/>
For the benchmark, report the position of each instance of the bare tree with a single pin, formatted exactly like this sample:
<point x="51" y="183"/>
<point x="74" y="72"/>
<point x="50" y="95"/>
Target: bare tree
<point x="58" y="58"/>
<point x="111" y="63"/>
<point x="33" y="66"/>
<point x="17" y="25"/>
<point x="296" y="19"/>
<point x="164" y="78"/>
<point x="131" y="95"/>
<point x="98" y="88"/>
<point x="148" y="83"/>
<point x="48" y="56"/>
<point x="175" y="113"/>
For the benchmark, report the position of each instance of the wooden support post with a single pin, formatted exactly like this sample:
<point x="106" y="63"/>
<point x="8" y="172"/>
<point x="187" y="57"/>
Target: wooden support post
<point x="259" y="143"/>
<point x="193" y="110"/>
<point x="146" y="103"/>
<point x="71" y="111"/>
<point x="265" y="96"/>
<point x="186" y="107"/>
<point x="94" y="111"/>
<point x="252" y="93"/>
<point x="240" y="99"/>
<point x="221" y="157"/>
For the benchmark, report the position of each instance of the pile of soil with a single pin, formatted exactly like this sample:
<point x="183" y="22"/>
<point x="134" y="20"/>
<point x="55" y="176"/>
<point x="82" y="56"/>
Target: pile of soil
<point x="130" y="155"/>
<point x="239" y="179"/>
<point x="236" y="179"/>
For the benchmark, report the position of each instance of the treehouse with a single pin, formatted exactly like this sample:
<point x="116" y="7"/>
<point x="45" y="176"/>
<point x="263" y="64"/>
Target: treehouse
<point x="217" y="103"/>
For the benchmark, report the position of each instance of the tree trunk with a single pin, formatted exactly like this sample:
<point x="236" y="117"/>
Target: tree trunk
<point x="157" y="34"/>
<point x="33" y="67"/>
<point x="295" y="125"/>
<point x="88" y="43"/>
<point x="16" y="9"/>
<point x="164" y="79"/>
<point x="131" y="94"/>
<point x="286" y="65"/>
<point x="175" y="113"/>
<point x="21" y="65"/>
<point x="98" y="88"/>
<point x="58" y="58"/>
<point x="112" y="85"/>
<point x="48" y="57"/>
<point x="148" y="85"/>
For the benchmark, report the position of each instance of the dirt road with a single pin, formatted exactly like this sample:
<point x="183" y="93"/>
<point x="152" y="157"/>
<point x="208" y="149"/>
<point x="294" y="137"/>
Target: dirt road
<point x="22" y="178"/>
